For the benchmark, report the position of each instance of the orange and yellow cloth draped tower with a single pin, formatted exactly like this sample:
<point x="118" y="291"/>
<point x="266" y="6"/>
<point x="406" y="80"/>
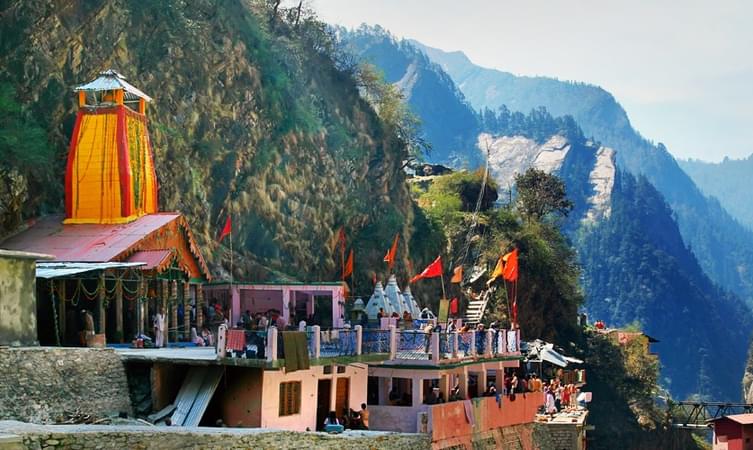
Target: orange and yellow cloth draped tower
<point x="110" y="176"/>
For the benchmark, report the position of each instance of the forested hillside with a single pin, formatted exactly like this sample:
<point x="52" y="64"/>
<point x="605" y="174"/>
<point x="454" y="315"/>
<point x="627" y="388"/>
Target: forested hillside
<point x="253" y="115"/>
<point x="729" y="181"/>
<point x="448" y="122"/>
<point x="714" y="236"/>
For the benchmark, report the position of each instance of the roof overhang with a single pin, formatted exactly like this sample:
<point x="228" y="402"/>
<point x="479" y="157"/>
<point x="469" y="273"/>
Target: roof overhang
<point x="49" y="270"/>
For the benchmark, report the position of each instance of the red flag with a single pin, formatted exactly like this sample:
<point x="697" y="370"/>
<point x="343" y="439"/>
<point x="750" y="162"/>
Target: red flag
<point x="226" y="230"/>
<point x="511" y="266"/>
<point x="389" y="258"/>
<point x="348" y="269"/>
<point x="433" y="270"/>
<point x="454" y="306"/>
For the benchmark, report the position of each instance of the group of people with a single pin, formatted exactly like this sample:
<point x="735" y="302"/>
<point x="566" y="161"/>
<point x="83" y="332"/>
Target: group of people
<point x="351" y="420"/>
<point x="559" y="397"/>
<point x="260" y="322"/>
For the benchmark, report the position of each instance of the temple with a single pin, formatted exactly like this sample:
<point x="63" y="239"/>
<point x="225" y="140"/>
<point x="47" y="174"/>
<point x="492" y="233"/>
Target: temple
<point x="115" y="254"/>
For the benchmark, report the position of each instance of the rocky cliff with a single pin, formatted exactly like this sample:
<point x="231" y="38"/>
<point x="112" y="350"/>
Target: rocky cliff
<point x="251" y="117"/>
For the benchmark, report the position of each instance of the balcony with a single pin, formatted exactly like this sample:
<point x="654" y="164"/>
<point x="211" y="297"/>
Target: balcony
<point x="412" y="347"/>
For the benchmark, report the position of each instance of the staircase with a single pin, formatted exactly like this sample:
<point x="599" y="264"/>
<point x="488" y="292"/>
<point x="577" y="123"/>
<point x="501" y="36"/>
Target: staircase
<point x="476" y="309"/>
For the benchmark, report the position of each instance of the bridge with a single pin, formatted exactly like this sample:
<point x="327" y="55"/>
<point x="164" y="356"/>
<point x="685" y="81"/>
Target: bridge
<point x="695" y="415"/>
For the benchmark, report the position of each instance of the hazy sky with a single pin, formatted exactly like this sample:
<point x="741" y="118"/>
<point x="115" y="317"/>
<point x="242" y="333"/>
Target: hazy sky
<point x="683" y="69"/>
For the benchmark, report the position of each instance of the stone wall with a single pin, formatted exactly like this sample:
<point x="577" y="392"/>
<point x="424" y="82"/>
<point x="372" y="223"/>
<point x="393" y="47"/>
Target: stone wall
<point x="565" y="436"/>
<point x="18" y="304"/>
<point x="50" y="384"/>
<point x="84" y="437"/>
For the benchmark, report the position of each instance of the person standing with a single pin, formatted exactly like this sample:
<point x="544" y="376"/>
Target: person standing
<point x="160" y="328"/>
<point x="364" y="414"/>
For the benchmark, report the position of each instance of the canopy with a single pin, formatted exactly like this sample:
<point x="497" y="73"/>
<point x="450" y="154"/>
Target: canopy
<point x="49" y="270"/>
<point x="539" y="351"/>
<point x="110" y="80"/>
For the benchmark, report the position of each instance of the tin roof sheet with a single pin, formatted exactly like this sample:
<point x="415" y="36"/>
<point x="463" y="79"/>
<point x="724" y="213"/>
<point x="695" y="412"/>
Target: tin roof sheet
<point x="110" y="80"/>
<point x="63" y="269"/>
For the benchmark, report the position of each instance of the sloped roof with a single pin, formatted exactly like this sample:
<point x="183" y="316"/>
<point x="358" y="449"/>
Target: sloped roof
<point x="152" y="259"/>
<point x="742" y="419"/>
<point x="110" y="80"/>
<point x="98" y="242"/>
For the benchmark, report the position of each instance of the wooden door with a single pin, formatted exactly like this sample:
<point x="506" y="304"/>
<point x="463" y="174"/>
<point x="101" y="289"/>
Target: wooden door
<point x="342" y="402"/>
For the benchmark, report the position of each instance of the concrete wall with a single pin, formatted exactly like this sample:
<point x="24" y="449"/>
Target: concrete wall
<point x="123" y="437"/>
<point x="241" y="399"/>
<point x="18" y="304"/>
<point x="309" y="379"/>
<point x="566" y="436"/>
<point x="48" y="384"/>
<point x="402" y="419"/>
<point x="449" y="422"/>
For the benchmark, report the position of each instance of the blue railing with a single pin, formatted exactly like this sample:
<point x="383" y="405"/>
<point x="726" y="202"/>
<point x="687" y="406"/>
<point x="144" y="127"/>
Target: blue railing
<point x="413" y="345"/>
<point x="375" y="341"/>
<point x="339" y="342"/>
<point x="464" y="344"/>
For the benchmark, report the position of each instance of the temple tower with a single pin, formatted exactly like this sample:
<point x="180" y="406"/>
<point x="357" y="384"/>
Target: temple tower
<point x="110" y="176"/>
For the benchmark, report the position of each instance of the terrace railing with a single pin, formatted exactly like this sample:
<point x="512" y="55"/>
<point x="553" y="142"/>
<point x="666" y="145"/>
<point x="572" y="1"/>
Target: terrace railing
<point x="405" y="345"/>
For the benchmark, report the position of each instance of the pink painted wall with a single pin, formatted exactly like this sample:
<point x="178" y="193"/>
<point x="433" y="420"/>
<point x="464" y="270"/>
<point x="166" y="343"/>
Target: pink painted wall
<point x="309" y="379"/>
<point x="728" y="435"/>
<point x="260" y="301"/>
<point x="241" y="400"/>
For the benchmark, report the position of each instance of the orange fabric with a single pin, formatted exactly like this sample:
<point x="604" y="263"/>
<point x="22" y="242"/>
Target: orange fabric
<point x="511" y="266"/>
<point x="389" y="258"/>
<point x="348" y="269"/>
<point x="498" y="269"/>
<point x="457" y="276"/>
<point x="110" y="176"/>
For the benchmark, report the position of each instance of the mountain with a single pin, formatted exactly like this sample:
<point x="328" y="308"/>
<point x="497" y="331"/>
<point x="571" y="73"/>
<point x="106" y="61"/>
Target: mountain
<point x="636" y="267"/>
<point x="714" y="236"/>
<point x="728" y="181"/>
<point x="449" y="123"/>
<point x="652" y="278"/>
<point x="251" y="114"/>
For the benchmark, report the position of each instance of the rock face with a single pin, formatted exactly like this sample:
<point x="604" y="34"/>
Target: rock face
<point x="513" y="155"/>
<point x="48" y="385"/>
<point x="602" y="179"/>
<point x="250" y="117"/>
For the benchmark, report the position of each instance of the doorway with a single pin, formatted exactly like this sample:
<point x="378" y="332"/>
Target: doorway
<point x="342" y="397"/>
<point x="323" y="394"/>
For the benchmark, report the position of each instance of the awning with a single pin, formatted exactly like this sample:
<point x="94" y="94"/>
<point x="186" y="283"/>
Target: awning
<point x="570" y="359"/>
<point x="63" y="269"/>
<point x="549" y="355"/>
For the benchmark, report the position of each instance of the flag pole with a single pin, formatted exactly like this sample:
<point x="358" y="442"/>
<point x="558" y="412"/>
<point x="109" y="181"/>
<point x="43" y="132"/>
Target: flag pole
<point x="231" y="263"/>
<point x="441" y="275"/>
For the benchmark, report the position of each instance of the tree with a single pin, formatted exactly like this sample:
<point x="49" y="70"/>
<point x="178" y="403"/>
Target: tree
<point x="541" y="194"/>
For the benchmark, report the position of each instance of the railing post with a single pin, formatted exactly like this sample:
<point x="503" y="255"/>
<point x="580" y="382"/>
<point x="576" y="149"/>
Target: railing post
<point x="272" y="344"/>
<point x="435" y="348"/>
<point x="456" y="344"/>
<point x="488" y="346"/>
<point x="473" y="343"/>
<point x="359" y="339"/>
<point x="393" y="342"/>
<point x="317" y="331"/>
<point x="504" y="342"/>
<point x="222" y="341"/>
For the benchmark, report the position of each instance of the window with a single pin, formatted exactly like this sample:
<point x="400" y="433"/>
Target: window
<point x="290" y="398"/>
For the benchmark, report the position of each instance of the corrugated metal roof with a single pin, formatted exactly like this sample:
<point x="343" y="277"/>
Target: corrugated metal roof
<point x="63" y="269"/>
<point x="86" y="242"/>
<point x="195" y="394"/>
<point x="742" y="419"/>
<point x="152" y="259"/>
<point x="110" y="80"/>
